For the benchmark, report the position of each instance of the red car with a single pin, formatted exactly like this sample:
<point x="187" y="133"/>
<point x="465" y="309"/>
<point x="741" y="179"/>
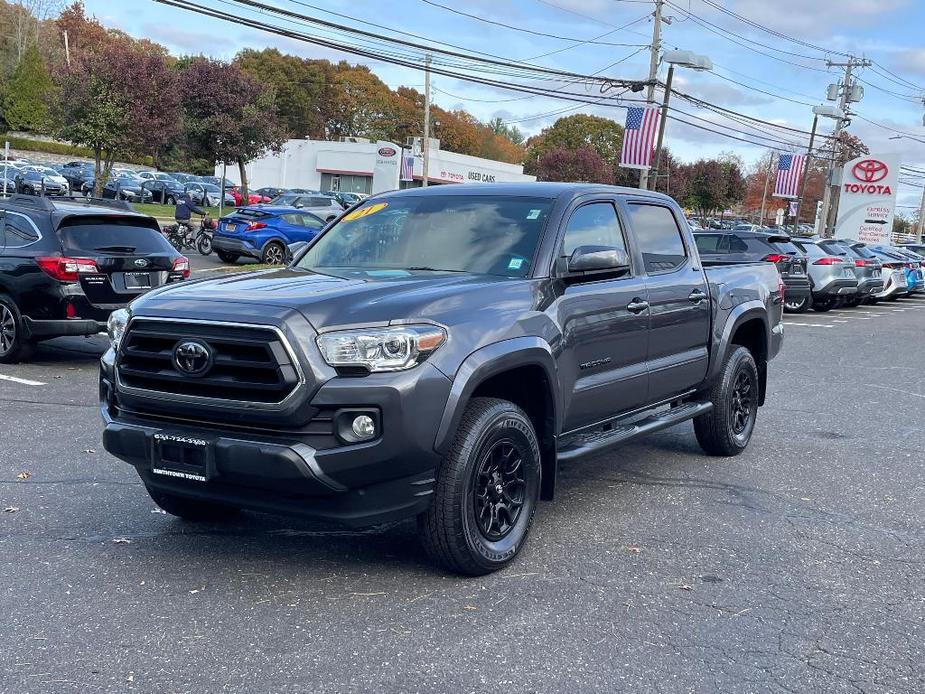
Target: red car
<point x="252" y="198"/>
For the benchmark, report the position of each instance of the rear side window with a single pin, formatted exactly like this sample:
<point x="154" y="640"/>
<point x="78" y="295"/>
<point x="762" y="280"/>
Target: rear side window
<point x="593" y="225"/>
<point x="812" y="250"/>
<point x="18" y="232"/>
<point x="710" y="244"/>
<point x="110" y="234"/>
<point x="834" y="248"/>
<point x="787" y="247"/>
<point x="658" y="236"/>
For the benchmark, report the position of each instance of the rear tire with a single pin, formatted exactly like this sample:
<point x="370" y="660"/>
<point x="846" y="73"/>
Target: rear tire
<point x="171" y="200"/>
<point x="798" y="306"/>
<point x="204" y="244"/>
<point x="853" y="302"/>
<point x="189" y="509"/>
<point x="227" y="257"/>
<point x="728" y="427"/>
<point x="486" y="492"/>
<point x="14" y="347"/>
<point x="823" y="305"/>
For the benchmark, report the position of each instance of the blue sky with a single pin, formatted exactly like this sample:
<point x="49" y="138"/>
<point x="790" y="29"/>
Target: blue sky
<point x="887" y="31"/>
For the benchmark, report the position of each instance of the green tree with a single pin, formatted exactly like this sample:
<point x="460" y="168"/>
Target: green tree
<point x="25" y="105"/>
<point x="299" y="84"/>
<point x="509" y="132"/>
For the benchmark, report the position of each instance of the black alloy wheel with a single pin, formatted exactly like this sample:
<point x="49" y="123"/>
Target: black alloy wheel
<point x="274" y="253"/>
<point x="728" y="427"/>
<point x="7" y="330"/>
<point x="801" y="305"/>
<point x="743" y="400"/>
<point x="14" y="346"/>
<point x="499" y="489"/>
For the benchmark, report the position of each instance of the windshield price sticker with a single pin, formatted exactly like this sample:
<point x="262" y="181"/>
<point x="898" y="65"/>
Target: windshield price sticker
<point x="365" y="211"/>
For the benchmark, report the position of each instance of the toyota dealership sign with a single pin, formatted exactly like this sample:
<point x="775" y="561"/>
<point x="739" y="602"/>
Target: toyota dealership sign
<point x="868" y="198"/>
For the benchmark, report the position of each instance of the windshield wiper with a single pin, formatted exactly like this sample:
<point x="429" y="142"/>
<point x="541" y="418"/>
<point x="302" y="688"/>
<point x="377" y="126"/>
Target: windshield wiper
<point x="424" y="268"/>
<point x="116" y="249"/>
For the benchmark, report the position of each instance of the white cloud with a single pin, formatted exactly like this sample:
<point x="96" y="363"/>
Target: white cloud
<point x="810" y="19"/>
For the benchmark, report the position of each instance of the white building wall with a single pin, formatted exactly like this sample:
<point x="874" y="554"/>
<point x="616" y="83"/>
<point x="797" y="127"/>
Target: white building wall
<point x="301" y="163"/>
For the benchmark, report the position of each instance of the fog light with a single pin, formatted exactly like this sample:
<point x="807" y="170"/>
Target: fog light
<point x="364" y="427"/>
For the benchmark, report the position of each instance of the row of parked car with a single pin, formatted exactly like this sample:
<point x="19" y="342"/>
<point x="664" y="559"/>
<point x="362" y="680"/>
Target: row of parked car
<point x="822" y="274"/>
<point x="77" y="177"/>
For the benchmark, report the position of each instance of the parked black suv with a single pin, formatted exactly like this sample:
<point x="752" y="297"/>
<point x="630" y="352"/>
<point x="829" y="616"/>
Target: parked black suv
<point x="768" y="245"/>
<point x="66" y="264"/>
<point x="435" y="353"/>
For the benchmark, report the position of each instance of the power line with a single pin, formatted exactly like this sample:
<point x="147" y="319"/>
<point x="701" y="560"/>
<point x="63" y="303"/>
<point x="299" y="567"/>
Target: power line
<point x="901" y="80"/>
<point x="523" y="30"/>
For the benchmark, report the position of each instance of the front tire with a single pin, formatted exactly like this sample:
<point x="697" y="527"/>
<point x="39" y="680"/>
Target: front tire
<point x="487" y="490"/>
<point x="14" y="347"/>
<point x="171" y="200"/>
<point x="189" y="509"/>
<point x="727" y="428"/>
<point x="274" y="253"/>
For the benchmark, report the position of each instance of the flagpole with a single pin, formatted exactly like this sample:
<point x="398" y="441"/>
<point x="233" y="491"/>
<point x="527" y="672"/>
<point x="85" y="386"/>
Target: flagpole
<point x="809" y="154"/>
<point x="764" y="195"/>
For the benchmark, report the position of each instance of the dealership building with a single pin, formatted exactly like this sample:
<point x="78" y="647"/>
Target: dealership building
<point x="362" y="166"/>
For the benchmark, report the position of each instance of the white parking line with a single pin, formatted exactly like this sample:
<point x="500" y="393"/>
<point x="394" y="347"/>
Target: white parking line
<point x="810" y="325"/>
<point x="23" y="381"/>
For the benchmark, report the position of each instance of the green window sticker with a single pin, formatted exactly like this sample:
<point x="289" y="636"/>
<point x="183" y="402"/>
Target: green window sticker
<point x="516" y="263"/>
<point x="534" y="214"/>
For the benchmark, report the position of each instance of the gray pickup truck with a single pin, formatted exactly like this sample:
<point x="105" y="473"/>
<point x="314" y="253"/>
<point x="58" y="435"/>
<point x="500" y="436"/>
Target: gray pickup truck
<point x="437" y="353"/>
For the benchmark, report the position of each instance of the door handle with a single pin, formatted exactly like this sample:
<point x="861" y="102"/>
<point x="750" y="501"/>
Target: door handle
<point x="696" y="296"/>
<point x="637" y="305"/>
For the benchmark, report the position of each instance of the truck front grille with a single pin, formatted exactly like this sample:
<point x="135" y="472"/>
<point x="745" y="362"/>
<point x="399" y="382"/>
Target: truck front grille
<point x="250" y="364"/>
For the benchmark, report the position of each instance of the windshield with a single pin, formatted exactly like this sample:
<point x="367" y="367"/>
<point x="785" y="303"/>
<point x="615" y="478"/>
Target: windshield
<point x="490" y="234"/>
<point x="211" y="187"/>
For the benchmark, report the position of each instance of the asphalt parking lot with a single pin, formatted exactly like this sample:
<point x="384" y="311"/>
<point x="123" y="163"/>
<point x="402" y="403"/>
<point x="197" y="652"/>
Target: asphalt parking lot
<point x="796" y="567"/>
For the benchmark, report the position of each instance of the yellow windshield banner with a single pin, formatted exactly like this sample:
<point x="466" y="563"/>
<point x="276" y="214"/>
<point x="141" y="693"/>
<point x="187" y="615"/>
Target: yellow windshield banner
<point x="365" y="211"/>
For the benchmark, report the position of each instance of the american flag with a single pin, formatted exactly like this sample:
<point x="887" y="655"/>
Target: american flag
<point x="789" y="175"/>
<point x="641" y="126"/>
<point x="407" y="167"/>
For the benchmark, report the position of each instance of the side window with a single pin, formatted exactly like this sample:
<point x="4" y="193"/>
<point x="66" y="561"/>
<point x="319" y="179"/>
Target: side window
<point x="18" y="232"/>
<point x="595" y="224"/>
<point x="293" y="218"/>
<point x="658" y="236"/>
<point x="737" y="244"/>
<point x="709" y="244"/>
<point x="312" y="222"/>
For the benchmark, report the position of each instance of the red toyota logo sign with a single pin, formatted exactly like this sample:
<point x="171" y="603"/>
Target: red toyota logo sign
<point x="870" y="170"/>
<point x="390" y="152"/>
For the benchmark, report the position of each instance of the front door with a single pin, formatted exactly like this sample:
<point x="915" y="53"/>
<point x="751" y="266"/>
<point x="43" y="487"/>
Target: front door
<point x="679" y="301"/>
<point x="602" y="365"/>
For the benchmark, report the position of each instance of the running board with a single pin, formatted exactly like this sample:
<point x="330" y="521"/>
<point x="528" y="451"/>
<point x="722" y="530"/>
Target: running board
<point x="600" y="439"/>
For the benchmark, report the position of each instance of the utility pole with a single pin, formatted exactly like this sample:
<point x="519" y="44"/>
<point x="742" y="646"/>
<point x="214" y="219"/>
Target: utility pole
<point x="67" y="49"/>
<point x="921" y="217"/>
<point x="764" y="195"/>
<point x="661" y="127"/>
<point x="806" y="163"/>
<point x="426" y="143"/>
<point x="654" y="51"/>
<point x="829" y="208"/>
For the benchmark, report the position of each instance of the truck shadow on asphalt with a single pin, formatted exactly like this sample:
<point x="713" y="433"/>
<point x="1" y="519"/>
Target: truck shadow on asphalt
<point x="69" y="351"/>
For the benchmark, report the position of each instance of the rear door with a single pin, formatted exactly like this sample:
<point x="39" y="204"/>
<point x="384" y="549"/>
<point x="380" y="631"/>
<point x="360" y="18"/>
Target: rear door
<point x="132" y="258"/>
<point x="602" y="365"/>
<point x="679" y="320"/>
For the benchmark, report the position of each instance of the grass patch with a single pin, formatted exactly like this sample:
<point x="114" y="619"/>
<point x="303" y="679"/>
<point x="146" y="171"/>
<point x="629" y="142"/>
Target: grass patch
<point x="167" y="211"/>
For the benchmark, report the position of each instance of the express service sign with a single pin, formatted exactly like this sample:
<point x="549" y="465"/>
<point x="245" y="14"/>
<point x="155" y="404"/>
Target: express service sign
<point x="867" y="199"/>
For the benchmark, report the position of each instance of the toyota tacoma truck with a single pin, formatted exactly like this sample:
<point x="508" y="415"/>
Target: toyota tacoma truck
<point x="437" y="353"/>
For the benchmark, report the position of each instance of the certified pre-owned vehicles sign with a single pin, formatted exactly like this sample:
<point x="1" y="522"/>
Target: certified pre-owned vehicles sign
<point x="868" y="198"/>
<point x="387" y="152"/>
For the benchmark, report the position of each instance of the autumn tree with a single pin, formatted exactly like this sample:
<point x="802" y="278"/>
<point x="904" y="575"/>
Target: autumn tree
<point x="603" y="135"/>
<point x="712" y="186"/>
<point x="229" y="115"/>
<point x="583" y="164"/>
<point x="116" y="100"/>
<point x="25" y="104"/>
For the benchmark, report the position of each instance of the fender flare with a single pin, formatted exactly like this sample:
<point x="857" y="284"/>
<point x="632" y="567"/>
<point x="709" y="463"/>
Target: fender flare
<point x="489" y="361"/>
<point x="738" y="315"/>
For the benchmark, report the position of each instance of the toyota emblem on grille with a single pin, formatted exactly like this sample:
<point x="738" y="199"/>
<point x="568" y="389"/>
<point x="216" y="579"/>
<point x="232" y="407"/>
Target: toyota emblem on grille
<point x="141" y="262"/>
<point x="192" y="357"/>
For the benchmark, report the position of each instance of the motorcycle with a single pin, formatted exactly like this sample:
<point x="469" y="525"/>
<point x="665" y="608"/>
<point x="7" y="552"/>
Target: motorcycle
<point x="185" y="237"/>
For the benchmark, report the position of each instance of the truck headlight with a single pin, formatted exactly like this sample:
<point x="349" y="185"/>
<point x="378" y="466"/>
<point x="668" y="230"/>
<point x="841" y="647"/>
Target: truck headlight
<point x="115" y="326"/>
<point x="381" y="349"/>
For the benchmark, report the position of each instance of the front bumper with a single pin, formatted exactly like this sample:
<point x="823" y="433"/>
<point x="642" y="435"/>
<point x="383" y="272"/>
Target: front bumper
<point x="289" y="469"/>
<point x="236" y="246"/>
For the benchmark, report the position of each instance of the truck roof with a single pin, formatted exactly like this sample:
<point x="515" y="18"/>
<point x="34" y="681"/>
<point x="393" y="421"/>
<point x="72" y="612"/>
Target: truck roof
<point x="527" y="189"/>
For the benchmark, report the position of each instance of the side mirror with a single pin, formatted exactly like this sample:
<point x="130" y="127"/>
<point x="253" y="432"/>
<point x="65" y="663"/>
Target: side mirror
<point x="598" y="259"/>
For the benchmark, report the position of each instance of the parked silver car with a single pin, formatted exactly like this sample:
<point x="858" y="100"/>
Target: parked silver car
<point x="831" y="276"/>
<point x="867" y="267"/>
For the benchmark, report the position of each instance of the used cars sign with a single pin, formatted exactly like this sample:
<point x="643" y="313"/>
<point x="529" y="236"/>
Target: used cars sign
<point x="868" y="198"/>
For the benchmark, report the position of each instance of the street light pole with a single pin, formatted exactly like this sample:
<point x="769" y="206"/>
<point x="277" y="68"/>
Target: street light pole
<point x="921" y="217"/>
<point x="661" y="129"/>
<point x="426" y="143"/>
<point x="654" y="50"/>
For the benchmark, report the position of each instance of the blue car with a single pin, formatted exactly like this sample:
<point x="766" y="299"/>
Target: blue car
<point x="264" y="233"/>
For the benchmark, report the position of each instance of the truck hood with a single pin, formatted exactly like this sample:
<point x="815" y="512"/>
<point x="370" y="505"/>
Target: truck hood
<point x="327" y="301"/>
